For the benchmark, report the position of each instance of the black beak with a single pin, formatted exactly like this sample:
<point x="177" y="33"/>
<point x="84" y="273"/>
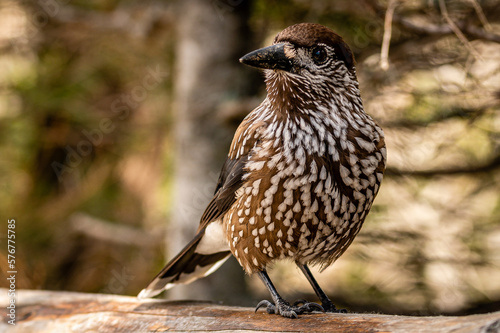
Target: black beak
<point x="271" y="57"/>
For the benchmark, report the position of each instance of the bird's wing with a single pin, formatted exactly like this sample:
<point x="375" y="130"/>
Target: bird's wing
<point x="209" y="249"/>
<point x="247" y="136"/>
<point x="230" y="180"/>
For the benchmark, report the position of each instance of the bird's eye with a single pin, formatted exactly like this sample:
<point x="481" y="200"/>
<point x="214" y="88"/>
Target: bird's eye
<point x="319" y="55"/>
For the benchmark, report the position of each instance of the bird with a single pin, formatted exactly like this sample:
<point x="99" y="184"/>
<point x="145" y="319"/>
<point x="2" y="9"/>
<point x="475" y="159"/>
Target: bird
<point x="301" y="174"/>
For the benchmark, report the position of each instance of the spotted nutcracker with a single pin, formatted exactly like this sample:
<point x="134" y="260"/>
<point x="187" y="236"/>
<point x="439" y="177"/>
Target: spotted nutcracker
<point x="301" y="174"/>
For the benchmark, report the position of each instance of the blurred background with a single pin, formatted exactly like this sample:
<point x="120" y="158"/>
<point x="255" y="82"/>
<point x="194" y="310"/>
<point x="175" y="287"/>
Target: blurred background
<point x="116" y="116"/>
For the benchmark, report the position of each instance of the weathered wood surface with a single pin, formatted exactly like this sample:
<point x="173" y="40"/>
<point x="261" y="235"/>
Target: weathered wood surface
<point x="50" y="311"/>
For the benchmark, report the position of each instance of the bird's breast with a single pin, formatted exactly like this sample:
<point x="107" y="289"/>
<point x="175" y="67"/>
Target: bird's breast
<point x="304" y="195"/>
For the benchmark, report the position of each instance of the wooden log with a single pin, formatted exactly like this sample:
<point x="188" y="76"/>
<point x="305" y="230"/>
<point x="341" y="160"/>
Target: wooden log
<point x="55" y="311"/>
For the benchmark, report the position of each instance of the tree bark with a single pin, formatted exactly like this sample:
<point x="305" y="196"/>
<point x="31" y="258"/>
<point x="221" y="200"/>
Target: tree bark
<point x="52" y="311"/>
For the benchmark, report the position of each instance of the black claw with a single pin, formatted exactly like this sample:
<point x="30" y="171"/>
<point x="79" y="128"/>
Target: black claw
<point x="289" y="311"/>
<point x="307" y="307"/>
<point x="310" y="307"/>
<point x="270" y="308"/>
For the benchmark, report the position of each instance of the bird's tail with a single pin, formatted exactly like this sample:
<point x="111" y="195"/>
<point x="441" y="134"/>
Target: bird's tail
<point x="187" y="266"/>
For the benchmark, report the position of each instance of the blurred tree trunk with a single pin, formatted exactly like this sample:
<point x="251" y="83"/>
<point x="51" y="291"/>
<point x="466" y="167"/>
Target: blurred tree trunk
<point x="210" y="38"/>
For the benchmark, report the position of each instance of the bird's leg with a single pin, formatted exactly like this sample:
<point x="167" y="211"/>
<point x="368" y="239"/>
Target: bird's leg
<point x="326" y="303"/>
<point x="281" y="306"/>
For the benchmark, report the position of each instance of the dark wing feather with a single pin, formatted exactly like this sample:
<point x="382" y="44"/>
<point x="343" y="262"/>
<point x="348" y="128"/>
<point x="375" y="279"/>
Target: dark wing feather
<point x="188" y="260"/>
<point x="231" y="177"/>
<point x="189" y="264"/>
<point x="230" y="180"/>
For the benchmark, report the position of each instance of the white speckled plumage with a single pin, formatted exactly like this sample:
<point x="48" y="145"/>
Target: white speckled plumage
<point x="302" y="171"/>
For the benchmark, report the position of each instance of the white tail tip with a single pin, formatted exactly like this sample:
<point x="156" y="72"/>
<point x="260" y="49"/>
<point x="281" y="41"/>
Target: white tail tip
<point x="148" y="293"/>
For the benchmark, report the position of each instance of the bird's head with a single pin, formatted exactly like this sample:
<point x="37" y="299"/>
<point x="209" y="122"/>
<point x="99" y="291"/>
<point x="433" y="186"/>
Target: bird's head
<point x="303" y="47"/>
<point x="309" y="56"/>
